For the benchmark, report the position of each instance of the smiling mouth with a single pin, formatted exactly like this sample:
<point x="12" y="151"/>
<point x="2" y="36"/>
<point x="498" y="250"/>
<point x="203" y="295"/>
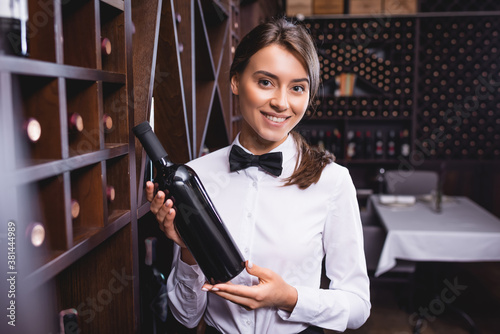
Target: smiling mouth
<point x="276" y="119"/>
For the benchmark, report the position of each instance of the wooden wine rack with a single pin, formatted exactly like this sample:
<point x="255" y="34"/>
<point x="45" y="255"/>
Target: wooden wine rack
<point x="90" y="259"/>
<point x="65" y="74"/>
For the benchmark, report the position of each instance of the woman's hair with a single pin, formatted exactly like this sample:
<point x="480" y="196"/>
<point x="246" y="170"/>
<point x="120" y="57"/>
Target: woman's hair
<point x="296" y="39"/>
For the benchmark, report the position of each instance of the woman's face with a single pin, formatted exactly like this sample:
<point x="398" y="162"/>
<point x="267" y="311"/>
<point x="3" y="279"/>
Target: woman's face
<point x="273" y="93"/>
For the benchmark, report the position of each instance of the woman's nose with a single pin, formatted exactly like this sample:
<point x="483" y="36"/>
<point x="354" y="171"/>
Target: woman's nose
<point x="279" y="101"/>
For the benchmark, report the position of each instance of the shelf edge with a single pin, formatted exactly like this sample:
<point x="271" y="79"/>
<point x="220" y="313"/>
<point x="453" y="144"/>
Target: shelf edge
<point x="22" y="66"/>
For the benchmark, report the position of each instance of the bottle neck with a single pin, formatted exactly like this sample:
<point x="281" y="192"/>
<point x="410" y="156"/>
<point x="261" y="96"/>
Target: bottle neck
<point x="163" y="162"/>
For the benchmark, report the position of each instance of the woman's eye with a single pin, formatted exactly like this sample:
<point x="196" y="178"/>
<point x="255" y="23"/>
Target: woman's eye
<point x="299" y="89"/>
<point x="265" y="82"/>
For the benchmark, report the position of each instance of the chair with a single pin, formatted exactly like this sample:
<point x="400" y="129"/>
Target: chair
<point x="416" y="182"/>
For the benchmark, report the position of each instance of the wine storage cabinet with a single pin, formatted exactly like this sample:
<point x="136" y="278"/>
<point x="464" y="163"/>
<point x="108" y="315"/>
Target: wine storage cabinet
<point x="72" y="177"/>
<point x="68" y="175"/>
<point x="435" y="76"/>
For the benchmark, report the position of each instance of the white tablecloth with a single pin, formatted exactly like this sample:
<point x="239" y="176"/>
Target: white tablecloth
<point x="462" y="232"/>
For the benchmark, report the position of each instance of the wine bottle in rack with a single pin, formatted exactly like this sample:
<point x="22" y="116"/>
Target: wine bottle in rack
<point x="379" y="144"/>
<point x="33" y="129"/>
<point x="75" y="122"/>
<point x="351" y="145"/>
<point x="110" y="193"/>
<point x="68" y="321"/>
<point x="13" y="27"/>
<point x="107" y="122"/>
<point x="106" y="46"/>
<point x="314" y="137"/>
<point x="328" y="141"/>
<point x="197" y="220"/>
<point x="75" y="208"/>
<point x="321" y="140"/>
<point x="368" y="145"/>
<point x="359" y="149"/>
<point x="391" y="144"/>
<point x="337" y="143"/>
<point x="35" y="234"/>
<point x="404" y="148"/>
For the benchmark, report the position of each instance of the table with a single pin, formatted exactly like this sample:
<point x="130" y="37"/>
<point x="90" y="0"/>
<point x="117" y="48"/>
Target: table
<point x="462" y="232"/>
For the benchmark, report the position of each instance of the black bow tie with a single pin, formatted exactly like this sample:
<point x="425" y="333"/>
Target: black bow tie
<point x="270" y="162"/>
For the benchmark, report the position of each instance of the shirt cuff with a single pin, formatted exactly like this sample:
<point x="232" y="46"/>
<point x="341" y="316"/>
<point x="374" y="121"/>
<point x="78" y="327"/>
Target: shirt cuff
<point x="303" y="312"/>
<point x="190" y="275"/>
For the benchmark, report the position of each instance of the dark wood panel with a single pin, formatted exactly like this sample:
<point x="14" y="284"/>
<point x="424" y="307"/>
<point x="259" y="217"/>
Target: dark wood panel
<point x="99" y="286"/>
<point x="79" y="33"/>
<point x="170" y="114"/>
<point x="146" y="17"/>
<point x="184" y="13"/>
<point x="41" y="32"/>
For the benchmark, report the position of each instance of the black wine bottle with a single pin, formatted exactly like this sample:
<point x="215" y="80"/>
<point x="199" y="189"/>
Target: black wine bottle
<point x="197" y="221"/>
<point x="13" y="28"/>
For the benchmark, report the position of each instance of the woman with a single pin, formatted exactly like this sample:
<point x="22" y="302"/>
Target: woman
<point x="285" y="222"/>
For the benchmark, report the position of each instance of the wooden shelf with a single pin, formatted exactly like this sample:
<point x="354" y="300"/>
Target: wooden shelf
<point x="53" y="168"/>
<point x="59" y="176"/>
<point x="29" y="67"/>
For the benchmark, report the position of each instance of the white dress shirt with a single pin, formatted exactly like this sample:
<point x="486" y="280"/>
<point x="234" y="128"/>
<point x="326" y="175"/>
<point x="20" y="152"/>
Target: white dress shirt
<point x="289" y="231"/>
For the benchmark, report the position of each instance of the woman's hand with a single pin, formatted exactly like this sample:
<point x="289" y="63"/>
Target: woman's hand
<point x="165" y="214"/>
<point x="272" y="291"/>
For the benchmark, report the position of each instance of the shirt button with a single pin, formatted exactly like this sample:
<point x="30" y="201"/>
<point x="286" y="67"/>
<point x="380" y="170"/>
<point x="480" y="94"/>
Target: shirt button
<point x="254" y="184"/>
<point x="246" y="250"/>
<point x="249" y="215"/>
<point x="249" y="323"/>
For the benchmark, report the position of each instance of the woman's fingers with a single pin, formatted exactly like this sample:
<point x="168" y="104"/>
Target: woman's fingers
<point x="157" y="202"/>
<point x="163" y="211"/>
<point x="150" y="191"/>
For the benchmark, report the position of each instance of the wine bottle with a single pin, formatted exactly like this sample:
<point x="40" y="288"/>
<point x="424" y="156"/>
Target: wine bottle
<point x="391" y="144"/>
<point x="337" y="143"/>
<point x="107" y="122"/>
<point x="33" y="129"/>
<point x="379" y="145"/>
<point x="404" y="143"/>
<point x="351" y="145"/>
<point x="321" y="140"/>
<point x="359" y="148"/>
<point x="75" y="208"/>
<point x="197" y="221"/>
<point x="105" y="46"/>
<point x="110" y="193"/>
<point x="13" y="27"/>
<point x="368" y="145"/>
<point x="75" y="122"/>
<point x="35" y="233"/>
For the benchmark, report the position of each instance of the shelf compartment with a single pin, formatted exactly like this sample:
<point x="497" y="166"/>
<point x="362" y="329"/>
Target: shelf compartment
<point x="82" y="109"/>
<point x="41" y="33"/>
<point x="79" y="33"/>
<point x="117" y="177"/>
<point x="115" y="107"/>
<point x="39" y="101"/>
<point x="45" y="202"/>
<point x="113" y="29"/>
<point x="87" y="189"/>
